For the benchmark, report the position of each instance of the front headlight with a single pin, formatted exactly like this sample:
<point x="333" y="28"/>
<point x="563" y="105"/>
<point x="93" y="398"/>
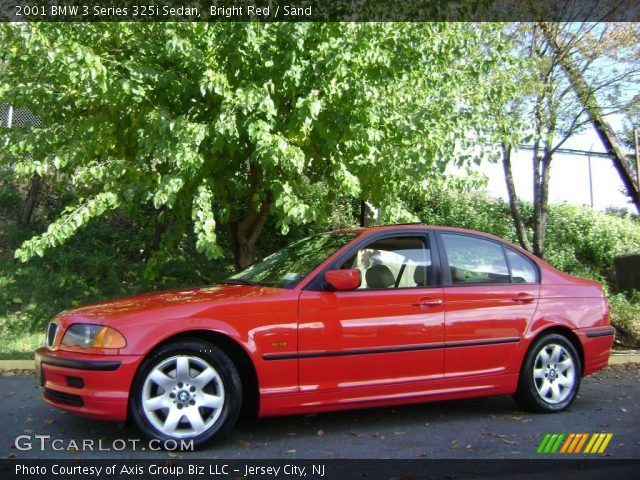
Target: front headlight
<point x="87" y="335"/>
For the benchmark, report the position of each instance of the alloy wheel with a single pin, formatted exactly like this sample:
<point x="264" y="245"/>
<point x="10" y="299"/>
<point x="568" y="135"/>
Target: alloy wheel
<point x="554" y="373"/>
<point x="183" y="396"/>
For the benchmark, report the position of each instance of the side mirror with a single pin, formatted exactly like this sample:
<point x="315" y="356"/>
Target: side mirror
<point x="343" y="279"/>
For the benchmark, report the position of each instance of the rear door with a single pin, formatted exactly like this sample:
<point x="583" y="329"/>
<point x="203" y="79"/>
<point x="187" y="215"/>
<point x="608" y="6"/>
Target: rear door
<point x="491" y="293"/>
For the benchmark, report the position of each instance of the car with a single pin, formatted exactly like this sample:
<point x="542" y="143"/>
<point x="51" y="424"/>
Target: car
<point x="348" y="319"/>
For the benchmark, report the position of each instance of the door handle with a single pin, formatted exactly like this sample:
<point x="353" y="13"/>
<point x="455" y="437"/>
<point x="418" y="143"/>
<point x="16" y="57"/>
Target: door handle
<point x="523" y="298"/>
<point x="427" y="302"/>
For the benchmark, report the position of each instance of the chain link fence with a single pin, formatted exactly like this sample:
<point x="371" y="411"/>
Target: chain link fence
<point x="5" y="114"/>
<point x="11" y="117"/>
<point x="17" y="117"/>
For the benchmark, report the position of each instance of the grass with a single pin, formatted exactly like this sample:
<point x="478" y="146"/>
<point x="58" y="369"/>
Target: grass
<point x="21" y="347"/>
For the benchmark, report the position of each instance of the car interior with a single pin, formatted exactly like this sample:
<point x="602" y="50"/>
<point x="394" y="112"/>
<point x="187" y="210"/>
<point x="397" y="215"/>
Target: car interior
<point x="399" y="262"/>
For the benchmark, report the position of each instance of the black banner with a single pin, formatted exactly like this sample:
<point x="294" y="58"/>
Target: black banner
<point x="319" y="10"/>
<point x="579" y="469"/>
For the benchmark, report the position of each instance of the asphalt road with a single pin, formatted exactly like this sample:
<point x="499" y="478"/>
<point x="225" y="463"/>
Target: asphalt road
<point x="492" y="427"/>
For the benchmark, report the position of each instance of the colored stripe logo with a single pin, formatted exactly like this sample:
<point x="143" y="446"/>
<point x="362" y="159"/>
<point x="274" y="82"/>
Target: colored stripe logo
<point x="574" y="443"/>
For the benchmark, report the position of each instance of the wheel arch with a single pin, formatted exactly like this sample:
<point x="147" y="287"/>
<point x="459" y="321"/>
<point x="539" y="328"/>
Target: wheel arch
<point x="565" y="332"/>
<point x="236" y="352"/>
<point x="528" y="394"/>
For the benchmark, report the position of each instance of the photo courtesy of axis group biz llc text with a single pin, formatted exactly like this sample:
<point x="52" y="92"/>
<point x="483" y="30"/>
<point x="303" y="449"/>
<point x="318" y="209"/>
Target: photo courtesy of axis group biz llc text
<point x="286" y="239"/>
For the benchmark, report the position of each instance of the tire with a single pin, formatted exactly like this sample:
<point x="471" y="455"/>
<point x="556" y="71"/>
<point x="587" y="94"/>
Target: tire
<point x="171" y="399"/>
<point x="550" y="376"/>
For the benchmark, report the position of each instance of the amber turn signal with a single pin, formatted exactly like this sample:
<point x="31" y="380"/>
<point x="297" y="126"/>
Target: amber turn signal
<point x="109" y="338"/>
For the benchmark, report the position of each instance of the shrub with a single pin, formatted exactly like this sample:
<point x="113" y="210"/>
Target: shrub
<point x="580" y="241"/>
<point x="625" y="315"/>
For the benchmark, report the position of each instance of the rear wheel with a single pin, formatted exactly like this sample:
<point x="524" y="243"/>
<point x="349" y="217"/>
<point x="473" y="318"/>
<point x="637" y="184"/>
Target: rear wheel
<point x="550" y="376"/>
<point x="187" y="390"/>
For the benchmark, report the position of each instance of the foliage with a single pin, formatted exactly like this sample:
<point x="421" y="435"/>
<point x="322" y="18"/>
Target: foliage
<point x="554" y="105"/>
<point x="10" y="198"/>
<point x="580" y="241"/>
<point x="625" y="315"/>
<point x="583" y="240"/>
<point x="222" y="124"/>
<point x="107" y="259"/>
<point x="467" y="209"/>
<point x="102" y="261"/>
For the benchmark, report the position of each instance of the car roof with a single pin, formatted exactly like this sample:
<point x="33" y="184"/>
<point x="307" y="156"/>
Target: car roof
<point x="421" y="226"/>
<point x="414" y="226"/>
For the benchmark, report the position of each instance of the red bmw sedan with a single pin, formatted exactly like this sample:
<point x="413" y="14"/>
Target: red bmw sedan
<point x="347" y="319"/>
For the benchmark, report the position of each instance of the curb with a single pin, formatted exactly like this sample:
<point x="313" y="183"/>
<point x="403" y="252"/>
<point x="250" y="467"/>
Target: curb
<point x="17" y="365"/>
<point x="614" y="359"/>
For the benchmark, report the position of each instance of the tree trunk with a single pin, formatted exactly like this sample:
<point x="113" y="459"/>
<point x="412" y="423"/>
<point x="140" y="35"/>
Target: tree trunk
<point x="543" y="203"/>
<point x="244" y="234"/>
<point x="541" y="165"/>
<point x="514" y="201"/>
<point x="538" y="237"/>
<point x="159" y="228"/>
<point x="538" y="241"/>
<point x="243" y="255"/>
<point x="590" y="103"/>
<point x="365" y="214"/>
<point x="33" y="192"/>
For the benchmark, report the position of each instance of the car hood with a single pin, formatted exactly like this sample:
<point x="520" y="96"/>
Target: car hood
<point x="184" y="303"/>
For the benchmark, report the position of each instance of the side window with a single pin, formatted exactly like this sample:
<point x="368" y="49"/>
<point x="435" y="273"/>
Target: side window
<point x="474" y="260"/>
<point x="522" y="269"/>
<point x="396" y="262"/>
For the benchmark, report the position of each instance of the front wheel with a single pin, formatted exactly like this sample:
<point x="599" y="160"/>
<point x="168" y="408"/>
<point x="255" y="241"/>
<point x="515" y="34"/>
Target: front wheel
<point x="187" y="390"/>
<point x="550" y="376"/>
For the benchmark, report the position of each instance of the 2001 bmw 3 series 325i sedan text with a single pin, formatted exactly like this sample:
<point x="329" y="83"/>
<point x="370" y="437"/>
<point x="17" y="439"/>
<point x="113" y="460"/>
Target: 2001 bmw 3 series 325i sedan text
<point x="347" y="319"/>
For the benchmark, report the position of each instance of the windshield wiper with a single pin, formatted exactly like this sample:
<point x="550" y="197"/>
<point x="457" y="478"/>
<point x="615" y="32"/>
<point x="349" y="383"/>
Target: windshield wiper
<point x="237" y="281"/>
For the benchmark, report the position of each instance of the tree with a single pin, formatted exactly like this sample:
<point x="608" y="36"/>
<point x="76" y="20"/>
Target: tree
<point x="576" y="55"/>
<point x="554" y="102"/>
<point x="225" y="124"/>
<point x="631" y="139"/>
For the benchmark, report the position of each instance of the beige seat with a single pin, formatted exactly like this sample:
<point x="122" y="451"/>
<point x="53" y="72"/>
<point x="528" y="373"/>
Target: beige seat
<point x="379" y="276"/>
<point x="423" y="275"/>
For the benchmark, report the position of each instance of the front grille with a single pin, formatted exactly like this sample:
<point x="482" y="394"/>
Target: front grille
<point x="52" y="329"/>
<point x="61" y="397"/>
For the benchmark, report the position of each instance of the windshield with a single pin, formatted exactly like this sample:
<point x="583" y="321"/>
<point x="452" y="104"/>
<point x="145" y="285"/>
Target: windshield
<point x="287" y="267"/>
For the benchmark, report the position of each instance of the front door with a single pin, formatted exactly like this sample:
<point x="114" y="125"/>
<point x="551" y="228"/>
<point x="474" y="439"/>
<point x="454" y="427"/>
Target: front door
<point x="388" y="331"/>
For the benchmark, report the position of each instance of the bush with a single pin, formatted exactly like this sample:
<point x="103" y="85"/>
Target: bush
<point x="583" y="241"/>
<point x="110" y="257"/>
<point x="625" y="315"/>
<point x="105" y="260"/>
<point x="580" y="241"/>
<point x="468" y="210"/>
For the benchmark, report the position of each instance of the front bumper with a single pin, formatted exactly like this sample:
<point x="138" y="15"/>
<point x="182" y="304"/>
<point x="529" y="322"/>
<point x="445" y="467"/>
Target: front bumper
<point x="93" y="386"/>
